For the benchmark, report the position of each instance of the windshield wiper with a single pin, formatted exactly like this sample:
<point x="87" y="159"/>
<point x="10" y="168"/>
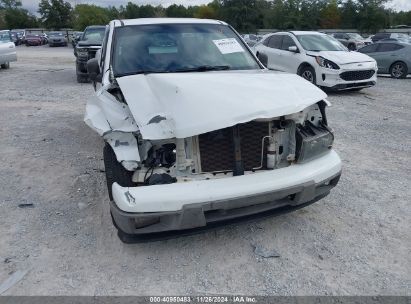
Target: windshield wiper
<point x="203" y="68"/>
<point x="139" y="72"/>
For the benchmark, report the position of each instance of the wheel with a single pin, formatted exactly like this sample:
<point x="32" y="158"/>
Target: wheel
<point x="82" y="79"/>
<point x="5" y="65"/>
<point x="399" y="70"/>
<point x="308" y="73"/>
<point x="115" y="172"/>
<point x="125" y="237"/>
<point x="351" y="47"/>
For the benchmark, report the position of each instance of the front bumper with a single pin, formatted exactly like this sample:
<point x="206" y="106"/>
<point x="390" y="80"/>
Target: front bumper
<point x="33" y="43"/>
<point x="331" y="79"/>
<point x="189" y="205"/>
<point x="59" y="42"/>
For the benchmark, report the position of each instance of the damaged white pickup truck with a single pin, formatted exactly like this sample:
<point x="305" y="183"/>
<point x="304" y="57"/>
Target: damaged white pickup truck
<point x="198" y="132"/>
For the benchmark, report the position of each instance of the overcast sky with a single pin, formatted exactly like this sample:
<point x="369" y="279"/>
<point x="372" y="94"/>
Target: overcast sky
<point x="32" y="5"/>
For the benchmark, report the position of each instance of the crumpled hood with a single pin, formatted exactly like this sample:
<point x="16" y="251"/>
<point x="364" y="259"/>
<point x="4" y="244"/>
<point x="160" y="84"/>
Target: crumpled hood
<point x="187" y="104"/>
<point x="341" y="57"/>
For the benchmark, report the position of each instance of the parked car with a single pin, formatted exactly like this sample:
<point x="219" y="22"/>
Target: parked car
<point x="75" y="38"/>
<point x="379" y="36"/>
<point x="368" y="40"/>
<point x="393" y="58"/>
<point x="57" y="39"/>
<point x="251" y="39"/>
<point x="44" y="38"/>
<point x="21" y="35"/>
<point x="86" y="48"/>
<point x="352" y="41"/>
<point x="14" y="38"/>
<point x="319" y="58"/>
<point x="7" y="50"/>
<point x="198" y="132"/>
<point x="33" y="40"/>
<point x="403" y="39"/>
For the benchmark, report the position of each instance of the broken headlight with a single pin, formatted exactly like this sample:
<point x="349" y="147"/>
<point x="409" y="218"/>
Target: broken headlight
<point x="313" y="141"/>
<point x="325" y="63"/>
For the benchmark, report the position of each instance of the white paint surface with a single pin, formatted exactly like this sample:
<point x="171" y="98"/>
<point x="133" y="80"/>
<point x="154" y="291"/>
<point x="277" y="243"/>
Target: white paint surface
<point x="161" y="198"/>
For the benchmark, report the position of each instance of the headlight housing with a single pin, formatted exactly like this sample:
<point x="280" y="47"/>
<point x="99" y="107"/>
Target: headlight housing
<point x="82" y="52"/>
<point x="313" y="141"/>
<point x="325" y="63"/>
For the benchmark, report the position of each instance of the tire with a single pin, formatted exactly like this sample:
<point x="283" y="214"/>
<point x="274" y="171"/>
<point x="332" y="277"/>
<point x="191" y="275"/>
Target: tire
<point x="398" y="70"/>
<point x="126" y="238"/>
<point x="115" y="172"/>
<point x="308" y="73"/>
<point x="82" y="79"/>
<point x="352" y="47"/>
<point x="5" y="65"/>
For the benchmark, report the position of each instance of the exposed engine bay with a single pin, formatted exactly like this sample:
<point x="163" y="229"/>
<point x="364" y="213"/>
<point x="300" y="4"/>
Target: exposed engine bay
<point x="163" y="137"/>
<point x="247" y="148"/>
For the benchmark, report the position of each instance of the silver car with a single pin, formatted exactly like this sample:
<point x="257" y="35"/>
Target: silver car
<point x="392" y="57"/>
<point x="352" y="41"/>
<point x="7" y="50"/>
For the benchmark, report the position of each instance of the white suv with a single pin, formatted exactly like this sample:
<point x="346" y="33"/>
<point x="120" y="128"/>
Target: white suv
<point x="318" y="58"/>
<point x="198" y="132"/>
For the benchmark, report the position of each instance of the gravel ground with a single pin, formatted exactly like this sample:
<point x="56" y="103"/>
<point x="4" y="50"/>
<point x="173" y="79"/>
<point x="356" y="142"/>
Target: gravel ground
<point x="356" y="241"/>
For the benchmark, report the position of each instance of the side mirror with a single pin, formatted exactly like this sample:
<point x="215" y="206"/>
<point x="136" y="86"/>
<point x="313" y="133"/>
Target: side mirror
<point x="293" y="49"/>
<point x="93" y="70"/>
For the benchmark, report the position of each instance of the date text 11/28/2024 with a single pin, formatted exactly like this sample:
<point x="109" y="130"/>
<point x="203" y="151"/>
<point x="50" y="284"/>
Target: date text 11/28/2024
<point x="203" y="299"/>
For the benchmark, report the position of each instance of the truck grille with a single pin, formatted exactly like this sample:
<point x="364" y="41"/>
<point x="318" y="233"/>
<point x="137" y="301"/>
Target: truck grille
<point x="91" y="54"/>
<point x="357" y="75"/>
<point x="217" y="150"/>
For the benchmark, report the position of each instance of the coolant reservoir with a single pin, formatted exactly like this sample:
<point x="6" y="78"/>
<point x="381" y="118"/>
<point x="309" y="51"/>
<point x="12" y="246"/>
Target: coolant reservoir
<point x="271" y="153"/>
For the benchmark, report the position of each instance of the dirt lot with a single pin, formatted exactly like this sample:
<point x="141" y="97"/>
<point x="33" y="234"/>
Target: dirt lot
<point x="355" y="241"/>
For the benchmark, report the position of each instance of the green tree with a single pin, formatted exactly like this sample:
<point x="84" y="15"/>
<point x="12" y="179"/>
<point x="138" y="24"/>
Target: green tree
<point x="205" y="12"/>
<point x="55" y="14"/>
<point x="372" y="15"/>
<point x="12" y="15"/>
<point x="177" y="11"/>
<point x="330" y="16"/>
<point x="349" y="14"/>
<point x="19" y="18"/>
<point x="85" y="15"/>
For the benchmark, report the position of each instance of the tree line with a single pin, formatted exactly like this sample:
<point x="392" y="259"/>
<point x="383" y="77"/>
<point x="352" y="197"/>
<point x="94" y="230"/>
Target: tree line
<point x="244" y="15"/>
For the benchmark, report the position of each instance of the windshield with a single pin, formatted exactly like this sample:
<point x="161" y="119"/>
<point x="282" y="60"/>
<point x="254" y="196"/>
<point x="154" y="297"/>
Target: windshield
<point x="163" y="48"/>
<point x="355" y="36"/>
<point x="317" y="43"/>
<point x="5" y="37"/>
<point x="94" y="34"/>
<point x="55" y="34"/>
